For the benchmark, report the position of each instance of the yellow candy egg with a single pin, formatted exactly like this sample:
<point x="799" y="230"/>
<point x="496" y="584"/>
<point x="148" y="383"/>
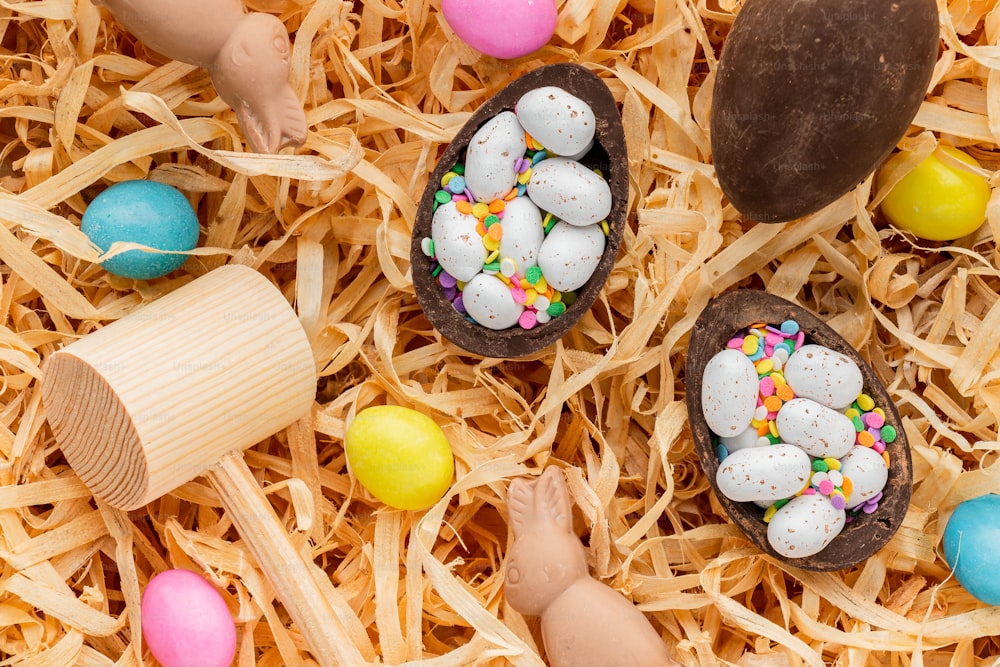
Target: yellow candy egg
<point x="400" y="455"/>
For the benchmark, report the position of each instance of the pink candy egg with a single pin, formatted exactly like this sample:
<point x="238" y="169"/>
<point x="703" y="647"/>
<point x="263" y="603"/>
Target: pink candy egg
<point x="185" y="621"/>
<point x="502" y="28"/>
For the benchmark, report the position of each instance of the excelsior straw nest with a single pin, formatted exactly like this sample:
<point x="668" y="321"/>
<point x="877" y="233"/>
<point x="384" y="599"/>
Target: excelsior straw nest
<point x="386" y="84"/>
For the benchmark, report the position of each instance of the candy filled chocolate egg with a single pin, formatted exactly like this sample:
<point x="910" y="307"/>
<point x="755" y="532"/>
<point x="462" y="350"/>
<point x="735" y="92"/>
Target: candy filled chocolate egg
<point x="812" y="95"/>
<point x="521" y="220"/>
<point x="811" y="462"/>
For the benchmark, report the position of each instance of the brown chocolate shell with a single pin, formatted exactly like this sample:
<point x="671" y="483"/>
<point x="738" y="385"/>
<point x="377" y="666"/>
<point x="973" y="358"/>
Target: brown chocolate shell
<point x="609" y="155"/>
<point x="726" y="315"/>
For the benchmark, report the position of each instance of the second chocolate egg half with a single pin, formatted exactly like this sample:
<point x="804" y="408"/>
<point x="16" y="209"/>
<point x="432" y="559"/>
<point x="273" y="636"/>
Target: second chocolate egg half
<point x="608" y="156"/>
<point x="812" y="95"/>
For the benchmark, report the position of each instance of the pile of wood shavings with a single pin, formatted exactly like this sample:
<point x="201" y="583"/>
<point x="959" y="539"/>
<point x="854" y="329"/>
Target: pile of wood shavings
<point x="386" y="84"/>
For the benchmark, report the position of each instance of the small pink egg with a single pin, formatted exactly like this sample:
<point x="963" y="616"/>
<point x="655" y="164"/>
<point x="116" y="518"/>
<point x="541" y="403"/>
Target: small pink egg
<point x="185" y="621"/>
<point x="502" y="28"/>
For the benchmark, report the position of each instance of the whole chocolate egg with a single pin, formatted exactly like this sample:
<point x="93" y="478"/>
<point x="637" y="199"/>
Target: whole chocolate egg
<point x="811" y="95"/>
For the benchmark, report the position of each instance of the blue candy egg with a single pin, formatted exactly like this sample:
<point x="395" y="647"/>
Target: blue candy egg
<point x="146" y="212"/>
<point x="972" y="547"/>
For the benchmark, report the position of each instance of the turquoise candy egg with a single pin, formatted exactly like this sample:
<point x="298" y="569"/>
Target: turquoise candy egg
<point x="972" y="547"/>
<point x="146" y="212"/>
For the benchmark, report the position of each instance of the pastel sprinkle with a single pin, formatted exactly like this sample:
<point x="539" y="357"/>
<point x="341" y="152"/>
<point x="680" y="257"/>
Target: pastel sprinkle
<point x="556" y="309"/>
<point x="527" y="319"/>
<point x="865" y="439"/>
<point x="790" y="327"/>
<point x="427" y="246"/>
<point x="889" y="433"/>
<point x="764" y="366"/>
<point x="766" y="386"/>
<point x="874" y="420"/>
<point x="446" y="279"/>
<point x="750" y="344"/>
<point x="533" y="274"/>
<point x="508" y="267"/>
<point x="784" y="392"/>
<point x="735" y="343"/>
<point x="866" y="402"/>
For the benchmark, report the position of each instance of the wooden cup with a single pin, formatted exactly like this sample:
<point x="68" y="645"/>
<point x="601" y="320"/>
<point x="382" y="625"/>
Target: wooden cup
<point x="179" y="389"/>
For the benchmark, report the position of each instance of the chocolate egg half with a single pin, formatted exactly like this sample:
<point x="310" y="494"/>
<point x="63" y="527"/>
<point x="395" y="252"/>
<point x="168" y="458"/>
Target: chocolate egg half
<point x="811" y="95"/>
<point x="608" y="155"/>
<point x="734" y="311"/>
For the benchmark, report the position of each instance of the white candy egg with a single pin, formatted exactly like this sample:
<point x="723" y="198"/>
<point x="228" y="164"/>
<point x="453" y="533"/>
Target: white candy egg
<point x="491" y="156"/>
<point x="561" y="122"/>
<point x="488" y="301"/>
<point x="570" y="191"/>
<point x="522" y="233"/>
<point x="729" y="393"/>
<point x="804" y="526"/>
<point x="569" y="255"/>
<point x="817" y="429"/>
<point x="745" y="439"/>
<point x="458" y="247"/>
<point x="868" y="474"/>
<point x="825" y="376"/>
<point x="582" y="153"/>
<point x="763" y="473"/>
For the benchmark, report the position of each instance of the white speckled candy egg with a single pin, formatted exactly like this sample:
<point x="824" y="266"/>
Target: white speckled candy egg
<point x="561" y="122"/>
<point x="523" y="233"/>
<point x="489" y="302"/>
<point x="804" y="526"/>
<point x="745" y="439"/>
<point x="820" y="431"/>
<point x="490" y="158"/>
<point x="457" y="245"/>
<point x="582" y="153"/>
<point x="763" y="473"/>
<point x="570" y="191"/>
<point x="868" y="474"/>
<point x="728" y="393"/>
<point x="569" y="255"/>
<point x="825" y="376"/>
